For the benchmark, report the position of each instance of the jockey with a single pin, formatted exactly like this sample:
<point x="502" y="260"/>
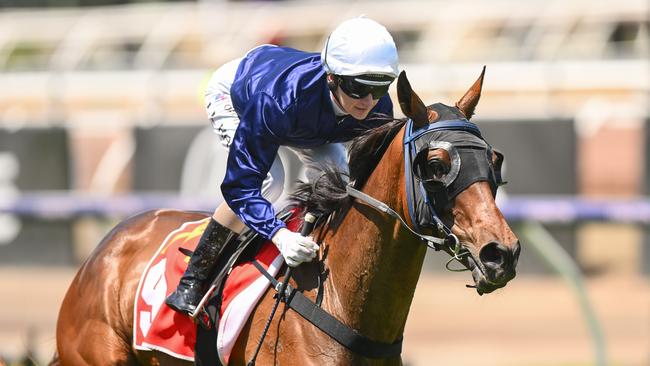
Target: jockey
<point x="278" y="97"/>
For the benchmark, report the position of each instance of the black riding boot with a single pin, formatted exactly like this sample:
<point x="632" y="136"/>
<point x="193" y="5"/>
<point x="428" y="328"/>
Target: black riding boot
<point x="189" y="291"/>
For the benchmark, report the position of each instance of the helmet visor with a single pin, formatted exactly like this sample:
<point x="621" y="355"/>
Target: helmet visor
<point x="360" y="86"/>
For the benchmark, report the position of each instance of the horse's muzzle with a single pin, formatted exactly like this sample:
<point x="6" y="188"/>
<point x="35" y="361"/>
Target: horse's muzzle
<point x="495" y="266"/>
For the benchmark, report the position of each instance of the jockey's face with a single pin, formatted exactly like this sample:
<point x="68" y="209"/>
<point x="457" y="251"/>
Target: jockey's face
<point x="357" y="108"/>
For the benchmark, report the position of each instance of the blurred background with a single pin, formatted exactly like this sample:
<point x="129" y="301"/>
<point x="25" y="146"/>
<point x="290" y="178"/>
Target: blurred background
<point x="101" y="117"/>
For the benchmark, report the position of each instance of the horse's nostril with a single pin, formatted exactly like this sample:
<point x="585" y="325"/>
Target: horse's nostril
<point x="492" y="254"/>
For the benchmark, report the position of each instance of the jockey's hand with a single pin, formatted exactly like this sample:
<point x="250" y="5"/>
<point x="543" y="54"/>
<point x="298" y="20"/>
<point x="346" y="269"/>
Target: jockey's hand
<point x="294" y="247"/>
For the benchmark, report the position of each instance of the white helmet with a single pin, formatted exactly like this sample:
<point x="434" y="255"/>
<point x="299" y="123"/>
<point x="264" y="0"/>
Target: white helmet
<point x="360" y="46"/>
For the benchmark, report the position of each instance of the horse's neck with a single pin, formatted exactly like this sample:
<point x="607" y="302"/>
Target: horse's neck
<point x="374" y="263"/>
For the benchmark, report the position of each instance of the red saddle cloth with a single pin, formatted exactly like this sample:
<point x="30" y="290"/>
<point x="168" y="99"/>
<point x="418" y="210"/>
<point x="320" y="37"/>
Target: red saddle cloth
<point x="158" y="327"/>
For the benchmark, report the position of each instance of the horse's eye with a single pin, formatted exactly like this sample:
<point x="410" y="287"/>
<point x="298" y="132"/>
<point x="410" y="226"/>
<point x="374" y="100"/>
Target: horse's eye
<point x="437" y="168"/>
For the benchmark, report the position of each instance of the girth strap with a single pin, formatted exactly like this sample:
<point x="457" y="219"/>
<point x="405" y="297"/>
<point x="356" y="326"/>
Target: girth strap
<point x="331" y="326"/>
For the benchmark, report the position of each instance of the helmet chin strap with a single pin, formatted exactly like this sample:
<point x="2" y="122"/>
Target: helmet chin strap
<point x="338" y="107"/>
<point x="336" y="100"/>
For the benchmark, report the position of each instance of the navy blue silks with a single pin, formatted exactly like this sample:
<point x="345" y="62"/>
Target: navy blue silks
<point x="282" y="99"/>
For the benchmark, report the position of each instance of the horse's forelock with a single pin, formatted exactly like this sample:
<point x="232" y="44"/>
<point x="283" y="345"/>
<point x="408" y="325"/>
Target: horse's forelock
<point x="445" y="112"/>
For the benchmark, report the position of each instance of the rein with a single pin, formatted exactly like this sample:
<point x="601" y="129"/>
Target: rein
<point x="450" y="240"/>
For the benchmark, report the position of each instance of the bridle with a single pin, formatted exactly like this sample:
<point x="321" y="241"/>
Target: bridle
<point x="424" y="204"/>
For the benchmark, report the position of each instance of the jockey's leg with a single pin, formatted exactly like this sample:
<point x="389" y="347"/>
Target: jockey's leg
<point x="222" y="231"/>
<point x="224" y="216"/>
<point x="189" y="291"/>
<point x="224" y="226"/>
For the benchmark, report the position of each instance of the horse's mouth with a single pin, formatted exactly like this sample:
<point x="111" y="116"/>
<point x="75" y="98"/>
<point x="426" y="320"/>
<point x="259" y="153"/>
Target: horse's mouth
<point x="482" y="283"/>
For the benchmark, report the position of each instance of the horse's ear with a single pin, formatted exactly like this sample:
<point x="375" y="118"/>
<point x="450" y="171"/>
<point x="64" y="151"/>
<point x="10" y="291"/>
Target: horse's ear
<point x="468" y="102"/>
<point x="410" y="103"/>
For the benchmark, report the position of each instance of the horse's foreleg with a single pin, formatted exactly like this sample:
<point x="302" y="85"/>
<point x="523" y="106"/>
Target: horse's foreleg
<point x="85" y="335"/>
<point x="94" y="344"/>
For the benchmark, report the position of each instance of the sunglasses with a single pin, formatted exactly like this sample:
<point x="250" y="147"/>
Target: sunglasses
<point x="358" y="87"/>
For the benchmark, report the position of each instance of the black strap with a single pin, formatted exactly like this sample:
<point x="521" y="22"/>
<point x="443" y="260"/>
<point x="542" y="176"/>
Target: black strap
<point x="331" y="326"/>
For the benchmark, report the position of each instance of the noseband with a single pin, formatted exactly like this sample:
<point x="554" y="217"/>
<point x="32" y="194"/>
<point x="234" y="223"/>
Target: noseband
<point x="425" y="200"/>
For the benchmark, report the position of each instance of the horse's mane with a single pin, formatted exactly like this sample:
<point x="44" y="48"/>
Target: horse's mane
<point x="326" y="196"/>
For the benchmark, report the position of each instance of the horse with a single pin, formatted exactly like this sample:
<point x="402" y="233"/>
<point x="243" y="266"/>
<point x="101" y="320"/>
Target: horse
<point x="371" y="260"/>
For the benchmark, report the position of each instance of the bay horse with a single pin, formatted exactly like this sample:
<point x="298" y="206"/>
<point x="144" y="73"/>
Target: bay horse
<point x="371" y="260"/>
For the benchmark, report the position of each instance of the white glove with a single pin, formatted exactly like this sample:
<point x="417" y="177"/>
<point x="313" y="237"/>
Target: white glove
<point x="294" y="247"/>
